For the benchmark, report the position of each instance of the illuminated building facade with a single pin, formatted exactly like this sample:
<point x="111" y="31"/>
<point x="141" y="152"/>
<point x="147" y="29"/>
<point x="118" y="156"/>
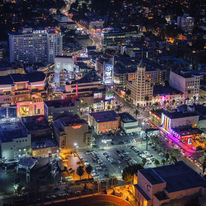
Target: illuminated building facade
<point x="71" y="132"/>
<point x="86" y="85"/>
<point x="171" y="120"/>
<point x="167" y="94"/>
<point x="22" y="87"/>
<point x="66" y="64"/>
<point x="188" y="84"/>
<point x="105" y="121"/>
<point x="15" y="141"/>
<point x="55" y="108"/>
<point x="128" y="123"/>
<point x="29" y="108"/>
<point x="108" y="73"/>
<point x="44" y="148"/>
<point x="141" y="87"/>
<point x="160" y="185"/>
<point x="35" y="46"/>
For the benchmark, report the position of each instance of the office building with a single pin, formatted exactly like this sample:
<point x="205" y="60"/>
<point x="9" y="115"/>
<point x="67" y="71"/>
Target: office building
<point x="141" y="88"/>
<point x="35" y="46"/>
<point x="186" y="22"/>
<point x="166" y="184"/>
<point x="187" y="83"/>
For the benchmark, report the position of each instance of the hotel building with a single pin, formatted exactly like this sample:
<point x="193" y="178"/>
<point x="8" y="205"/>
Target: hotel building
<point x="35" y="46"/>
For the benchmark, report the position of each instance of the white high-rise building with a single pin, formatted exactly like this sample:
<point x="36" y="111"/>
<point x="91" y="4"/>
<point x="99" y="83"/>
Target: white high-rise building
<point x="35" y="46"/>
<point x="141" y="88"/>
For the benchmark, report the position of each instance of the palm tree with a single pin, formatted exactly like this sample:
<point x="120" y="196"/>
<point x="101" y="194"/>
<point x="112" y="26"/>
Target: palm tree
<point x="80" y="171"/>
<point x="143" y="162"/>
<point x="130" y="171"/>
<point x="146" y="98"/>
<point x="113" y="181"/>
<point x="167" y="156"/>
<point x="163" y="161"/>
<point x="136" y="112"/>
<point x="128" y="92"/>
<point x="89" y="170"/>
<point x="173" y="159"/>
<point x="156" y="162"/>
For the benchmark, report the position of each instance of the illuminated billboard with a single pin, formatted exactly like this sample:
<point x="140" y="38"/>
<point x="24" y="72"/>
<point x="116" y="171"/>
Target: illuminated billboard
<point x="108" y="74"/>
<point x="109" y="96"/>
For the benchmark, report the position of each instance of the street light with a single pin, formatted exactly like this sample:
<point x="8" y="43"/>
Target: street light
<point x="143" y="125"/>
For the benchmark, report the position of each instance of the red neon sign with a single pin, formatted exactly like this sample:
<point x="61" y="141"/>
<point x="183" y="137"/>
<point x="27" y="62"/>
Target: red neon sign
<point x="77" y="126"/>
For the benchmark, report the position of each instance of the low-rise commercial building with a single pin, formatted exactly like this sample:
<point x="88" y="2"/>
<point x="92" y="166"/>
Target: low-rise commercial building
<point x="72" y="132"/>
<point x="105" y="121"/>
<point x="44" y="148"/>
<point x="38" y="126"/>
<point x="55" y="108"/>
<point x="15" y="141"/>
<point x="160" y="185"/>
<point x="128" y="123"/>
<point x="163" y="94"/>
<point x="172" y="120"/>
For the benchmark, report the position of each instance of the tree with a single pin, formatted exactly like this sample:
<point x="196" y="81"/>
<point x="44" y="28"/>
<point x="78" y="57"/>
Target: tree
<point x="80" y="171"/>
<point x="129" y="172"/>
<point x="89" y="170"/>
<point x="163" y="161"/>
<point x="136" y="112"/>
<point x="156" y="162"/>
<point x="173" y="159"/>
<point x="128" y="92"/>
<point x="199" y="148"/>
<point x="146" y="98"/>
<point x="113" y="181"/>
<point x="143" y="162"/>
<point x="118" y="108"/>
<point x="175" y="153"/>
<point x="167" y="156"/>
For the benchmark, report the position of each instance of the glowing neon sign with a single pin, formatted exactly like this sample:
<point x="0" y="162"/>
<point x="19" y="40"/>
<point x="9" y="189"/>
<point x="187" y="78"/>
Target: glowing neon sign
<point x="77" y="126"/>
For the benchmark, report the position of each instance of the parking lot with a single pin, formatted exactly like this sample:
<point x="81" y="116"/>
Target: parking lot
<point x="112" y="159"/>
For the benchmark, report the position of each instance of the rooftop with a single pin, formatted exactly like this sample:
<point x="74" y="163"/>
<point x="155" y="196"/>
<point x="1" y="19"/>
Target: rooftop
<point x="12" y="130"/>
<point x="43" y="143"/>
<point x="30" y="77"/>
<point x="105" y="116"/>
<point x="161" y="90"/>
<point x="71" y="120"/>
<point x="88" y="77"/>
<point x="127" y="118"/>
<point x="61" y="103"/>
<point x="177" y="176"/>
<point x="35" y="122"/>
<point x="176" y="115"/>
<point x="185" y="131"/>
